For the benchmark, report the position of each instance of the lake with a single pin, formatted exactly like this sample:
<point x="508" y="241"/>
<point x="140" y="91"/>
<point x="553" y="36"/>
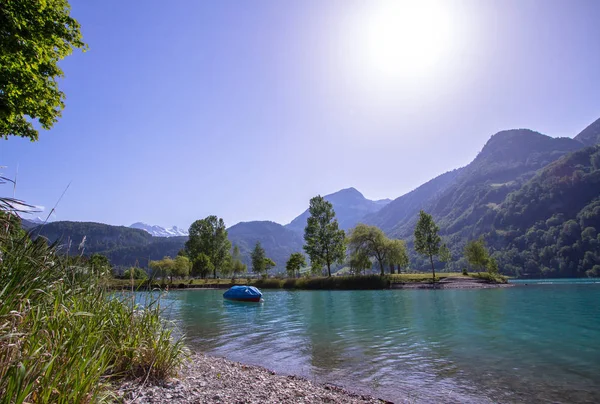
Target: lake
<point x="529" y="343"/>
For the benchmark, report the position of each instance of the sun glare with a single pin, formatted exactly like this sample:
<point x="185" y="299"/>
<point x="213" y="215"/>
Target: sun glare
<point x="398" y="40"/>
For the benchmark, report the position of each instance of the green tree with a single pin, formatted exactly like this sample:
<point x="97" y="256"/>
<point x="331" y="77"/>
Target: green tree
<point x="427" y="239"/>
<point x="258" y="257"/>
<point x="202" y="265"/>
<point x="445" y="254"/>
<point x="269" y="263"/>
<point x="99" y="262"/>
<point x="237" y="266"/>
<point x="370" y="241"/>
<point x="325" y="242"/>
<point x="34" y="37"/>
<point x="294" y="263"/>
<point x="182" y="266"/>
<point x="138" y="273"/>
<point x="359" y="262"/>
<point x="164" y="267"/>
<point x="397" y="255"/>
<point x="476" y="254"/>
<point x="209" y="237"/>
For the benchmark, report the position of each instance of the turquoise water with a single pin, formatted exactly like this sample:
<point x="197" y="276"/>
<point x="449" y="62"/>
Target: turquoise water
<point x="528" y="343"/>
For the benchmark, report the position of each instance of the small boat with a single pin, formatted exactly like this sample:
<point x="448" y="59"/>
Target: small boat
<point x="243" y="294"/>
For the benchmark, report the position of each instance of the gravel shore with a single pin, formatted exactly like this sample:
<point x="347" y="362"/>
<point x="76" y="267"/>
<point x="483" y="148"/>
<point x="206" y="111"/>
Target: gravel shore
<point x="452" y="283"/>
<point x="207" y="379"/>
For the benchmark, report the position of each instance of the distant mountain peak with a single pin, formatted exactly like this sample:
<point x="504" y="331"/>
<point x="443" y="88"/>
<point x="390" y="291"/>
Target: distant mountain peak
<point x="159" y="231"/>
<point x="350" y="207"/>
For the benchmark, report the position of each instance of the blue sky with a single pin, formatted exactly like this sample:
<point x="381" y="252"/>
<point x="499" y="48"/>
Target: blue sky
<point x="247" y="109"/>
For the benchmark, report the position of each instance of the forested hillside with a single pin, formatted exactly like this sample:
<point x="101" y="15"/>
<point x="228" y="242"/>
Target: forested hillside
<point x="277" y="241"/>
<point x="549" y="227"/>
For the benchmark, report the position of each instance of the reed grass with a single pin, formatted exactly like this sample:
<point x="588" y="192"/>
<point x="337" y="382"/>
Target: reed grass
<point x="64" y="337"/>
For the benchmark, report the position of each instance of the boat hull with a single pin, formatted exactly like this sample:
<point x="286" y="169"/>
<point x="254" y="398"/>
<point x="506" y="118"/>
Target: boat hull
<point x="244" y="299"/>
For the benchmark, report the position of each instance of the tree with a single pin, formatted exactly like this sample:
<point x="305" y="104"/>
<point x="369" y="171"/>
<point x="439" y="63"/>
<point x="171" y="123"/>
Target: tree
<point x="202" y="265"/>
<point x="258" y="259"/>
<point x="182" y="266"/>
<point x="445" y="254"/>
<point x="427" y="239"/>
<point x="370" y="241"/>
<point x="209" y="237"/>
<point x="269" y="263"/>
<point x="165" y="268"/>
<point x="99" y="262"/>
<point x="359" y="262"/>
<point x="34" y="37"/>
<point x="138" y="273"/>
<point x="476" y="254"/>
<point x="294" y="263"/>
<point x="237" y="266"/>
<point x="325" y="242"/>
<point x="397" y="255"/>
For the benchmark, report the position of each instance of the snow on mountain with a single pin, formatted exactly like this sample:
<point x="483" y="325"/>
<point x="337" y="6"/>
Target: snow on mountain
<point x="158" y="231"/>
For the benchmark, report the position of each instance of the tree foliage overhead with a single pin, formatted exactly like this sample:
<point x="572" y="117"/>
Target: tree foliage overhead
<point x="325" y="242"/>
<point x="34" y="37"/>
<point x="209" y="237"/>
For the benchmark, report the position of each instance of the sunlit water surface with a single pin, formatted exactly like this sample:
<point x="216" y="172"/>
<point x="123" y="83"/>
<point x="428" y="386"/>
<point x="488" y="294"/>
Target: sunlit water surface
<point x="528" y="343"/>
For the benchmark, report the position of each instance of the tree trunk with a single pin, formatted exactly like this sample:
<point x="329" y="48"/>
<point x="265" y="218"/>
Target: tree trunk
<point x="215" y="273"/>
<point x="382" y="268"/>
<point x="392" y="269"/>
<point x="399" y="270"/>
<point x="432" y="267"/>
<point x="328" y="269"/>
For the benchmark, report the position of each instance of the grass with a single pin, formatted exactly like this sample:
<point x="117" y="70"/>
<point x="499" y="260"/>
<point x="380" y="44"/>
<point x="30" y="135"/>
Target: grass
<point x="64" y="338"/>
<point x="335" y="282"/>
<point x="496" y="278"/>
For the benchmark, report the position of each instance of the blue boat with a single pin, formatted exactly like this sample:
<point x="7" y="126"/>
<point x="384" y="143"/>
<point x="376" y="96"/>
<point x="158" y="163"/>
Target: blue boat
<point x="243" y="294"/>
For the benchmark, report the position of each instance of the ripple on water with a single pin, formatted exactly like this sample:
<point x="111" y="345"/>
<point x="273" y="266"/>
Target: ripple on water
<point x="521" y="344"/>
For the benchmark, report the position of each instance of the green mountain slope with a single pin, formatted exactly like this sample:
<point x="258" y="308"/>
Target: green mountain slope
<point x="506" y="162"/>
<point x="550" y="226"/>
<point x="403" y="209"/>
<point x="278" y="241"/>
<point x="590" y="136"/>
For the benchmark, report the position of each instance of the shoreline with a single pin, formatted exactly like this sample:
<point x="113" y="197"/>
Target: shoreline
<point x="211" y="379"/>
<point x="451" y="282"/>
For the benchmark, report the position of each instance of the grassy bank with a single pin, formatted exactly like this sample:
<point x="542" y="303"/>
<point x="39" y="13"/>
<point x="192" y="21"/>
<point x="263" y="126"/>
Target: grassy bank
<point x="63" y="336"/>
<point x="357" y="282"/>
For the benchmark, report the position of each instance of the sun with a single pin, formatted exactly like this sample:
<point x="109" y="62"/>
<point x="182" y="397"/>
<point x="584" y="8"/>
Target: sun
<point x="400" y="39"/>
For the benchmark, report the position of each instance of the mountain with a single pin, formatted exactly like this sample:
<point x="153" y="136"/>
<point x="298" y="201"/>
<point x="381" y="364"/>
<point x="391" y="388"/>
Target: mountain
<point x="549" y="227"/>
<point x="159" y="231"/>
<point x="590" y="136"/>
<point x="278" y="241"/>
<point x="124" y="246"/>
<point x="350" y="208"/>
<point x="459" y="199"/>
<point x="31" y="222"/>
<point x="406" y="207"/>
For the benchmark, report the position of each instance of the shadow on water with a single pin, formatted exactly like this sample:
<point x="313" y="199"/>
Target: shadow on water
<point x="535" y="343"/>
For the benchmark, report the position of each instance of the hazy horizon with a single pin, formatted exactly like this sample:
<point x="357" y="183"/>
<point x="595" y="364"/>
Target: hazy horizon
<point x="247" y="110"/>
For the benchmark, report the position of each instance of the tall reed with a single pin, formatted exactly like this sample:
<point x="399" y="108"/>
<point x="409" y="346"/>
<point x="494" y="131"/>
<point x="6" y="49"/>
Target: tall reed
<point x="63" y="336"/>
